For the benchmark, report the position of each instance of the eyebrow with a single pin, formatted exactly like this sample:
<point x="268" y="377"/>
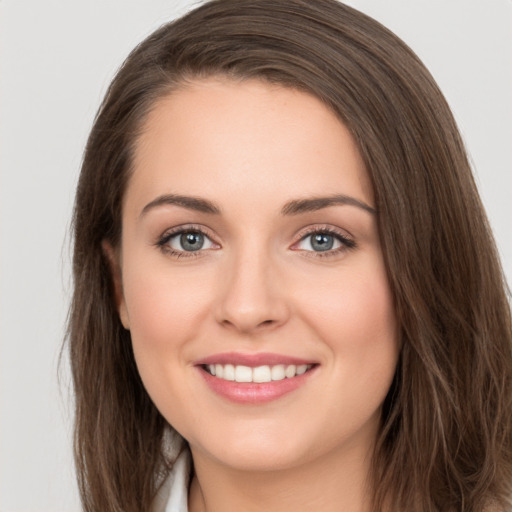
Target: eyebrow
<point x="191" y="203"/>
<point x="313" y="204"/>
<point x="294" y="207"/>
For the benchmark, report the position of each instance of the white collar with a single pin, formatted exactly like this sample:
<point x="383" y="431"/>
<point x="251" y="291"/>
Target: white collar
<point x="173" y="494"/>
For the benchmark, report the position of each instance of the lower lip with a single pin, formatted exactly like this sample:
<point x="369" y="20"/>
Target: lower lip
<point x="252" y="392"/>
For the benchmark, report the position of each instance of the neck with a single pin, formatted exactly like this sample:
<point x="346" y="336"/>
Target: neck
<point x="334" y="482"/>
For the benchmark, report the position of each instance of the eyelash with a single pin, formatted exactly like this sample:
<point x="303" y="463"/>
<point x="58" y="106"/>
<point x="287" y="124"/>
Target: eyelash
<point x="346" y="242"/>
<point x="164" y="240"/>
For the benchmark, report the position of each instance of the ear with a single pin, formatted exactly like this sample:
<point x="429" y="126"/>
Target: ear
<point x="114" y="264"/>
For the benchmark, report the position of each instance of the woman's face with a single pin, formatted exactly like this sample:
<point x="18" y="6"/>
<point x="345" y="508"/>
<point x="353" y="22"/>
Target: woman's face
<point x="250" y="250"/>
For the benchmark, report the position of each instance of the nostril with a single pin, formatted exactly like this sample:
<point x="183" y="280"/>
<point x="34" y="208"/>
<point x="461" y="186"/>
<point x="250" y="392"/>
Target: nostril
<point x="266" y="323"/>
<point x="256" y="325"/>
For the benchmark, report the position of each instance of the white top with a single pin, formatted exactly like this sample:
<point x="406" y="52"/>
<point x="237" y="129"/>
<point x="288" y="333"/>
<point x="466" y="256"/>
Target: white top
<point x="173" y="494"/>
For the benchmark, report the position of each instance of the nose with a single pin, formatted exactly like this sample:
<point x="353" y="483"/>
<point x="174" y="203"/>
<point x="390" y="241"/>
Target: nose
<point x="251" y="296"/>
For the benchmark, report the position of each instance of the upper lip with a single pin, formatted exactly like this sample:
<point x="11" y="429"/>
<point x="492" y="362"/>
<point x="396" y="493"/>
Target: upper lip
<point x="252" y="360"/>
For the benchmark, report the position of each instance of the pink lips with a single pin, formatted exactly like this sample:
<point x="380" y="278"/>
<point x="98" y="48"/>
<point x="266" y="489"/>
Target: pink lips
<point x="252" y="360"/>
<point x="251" y="392"/>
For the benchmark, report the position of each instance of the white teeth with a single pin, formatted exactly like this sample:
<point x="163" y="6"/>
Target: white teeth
<point x="302" y="369"/>
<point x="277" y="372"/>
<point x="290" y="371"/>
<point x="229" y="372"/>
<point x="259" y="374"/>
<point x="243" y="374"/>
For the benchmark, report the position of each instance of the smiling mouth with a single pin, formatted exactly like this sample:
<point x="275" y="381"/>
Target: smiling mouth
<point x="258" y="374"/>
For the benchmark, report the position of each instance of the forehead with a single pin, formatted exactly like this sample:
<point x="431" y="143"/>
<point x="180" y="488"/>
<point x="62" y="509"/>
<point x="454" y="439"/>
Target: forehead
<point x="245" y="139"/>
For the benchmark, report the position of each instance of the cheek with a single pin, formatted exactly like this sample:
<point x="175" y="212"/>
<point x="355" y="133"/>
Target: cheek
<point x="369" y="308"/>
<point x="164" y="310"/>
<point x="355" y="306"/>
<point x="354" y="316"/>
<point x="165" y="313"/>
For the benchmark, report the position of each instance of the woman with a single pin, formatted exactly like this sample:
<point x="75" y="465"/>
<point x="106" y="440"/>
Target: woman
<point x="287" y="295"/>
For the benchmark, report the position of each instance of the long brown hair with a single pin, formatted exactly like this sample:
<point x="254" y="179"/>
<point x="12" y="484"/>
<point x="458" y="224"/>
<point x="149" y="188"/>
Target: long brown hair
<point x="446" y="438"/>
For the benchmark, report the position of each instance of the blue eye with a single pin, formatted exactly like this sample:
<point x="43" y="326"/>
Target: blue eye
<point x="323" y="241"/>
<point x="190" y="240"/>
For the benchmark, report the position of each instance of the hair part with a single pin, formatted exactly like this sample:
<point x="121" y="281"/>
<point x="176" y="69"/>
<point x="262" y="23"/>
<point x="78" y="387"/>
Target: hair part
<point x="446" y="437"/>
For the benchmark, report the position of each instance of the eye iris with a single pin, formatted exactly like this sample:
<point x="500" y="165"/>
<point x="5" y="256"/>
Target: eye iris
<point x="322" y="242"/>
<point x="192" y="241"/>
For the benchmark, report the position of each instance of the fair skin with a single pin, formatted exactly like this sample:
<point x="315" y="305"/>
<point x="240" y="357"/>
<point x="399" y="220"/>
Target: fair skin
<point x="250" y="275"/>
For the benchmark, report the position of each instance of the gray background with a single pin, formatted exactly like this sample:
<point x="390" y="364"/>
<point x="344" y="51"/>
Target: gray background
<point x="57" y="57"/>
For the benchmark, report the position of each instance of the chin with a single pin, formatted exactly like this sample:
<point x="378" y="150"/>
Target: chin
<point x="259" y="460"/>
